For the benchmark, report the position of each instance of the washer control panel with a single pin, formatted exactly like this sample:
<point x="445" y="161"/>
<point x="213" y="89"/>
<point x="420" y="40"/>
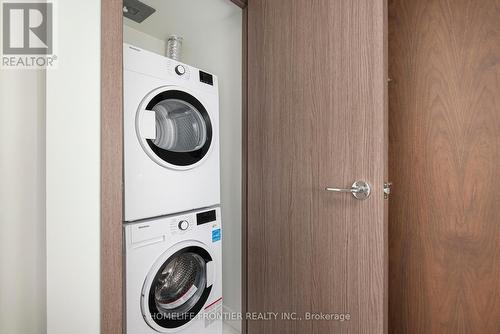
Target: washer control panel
<point x="196" y="224"/>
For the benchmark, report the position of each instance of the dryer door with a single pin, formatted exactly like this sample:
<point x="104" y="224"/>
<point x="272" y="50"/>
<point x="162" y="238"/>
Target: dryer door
<point x="177" y="289"/>
<point x="174" y="128"/>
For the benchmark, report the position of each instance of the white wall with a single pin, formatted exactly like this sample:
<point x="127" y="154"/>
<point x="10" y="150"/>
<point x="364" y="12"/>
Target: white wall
<point x="22" y="201"/>
<point x="212" y="32"/>
<point x="142" y="40"/>
<point x="73" y="172"/>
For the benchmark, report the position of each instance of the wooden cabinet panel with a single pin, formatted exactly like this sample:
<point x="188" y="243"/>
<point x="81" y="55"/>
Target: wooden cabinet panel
<point x="444" y="163"/>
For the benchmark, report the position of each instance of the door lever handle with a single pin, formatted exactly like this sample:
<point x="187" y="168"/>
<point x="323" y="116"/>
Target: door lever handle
<point x="360" y="190"/>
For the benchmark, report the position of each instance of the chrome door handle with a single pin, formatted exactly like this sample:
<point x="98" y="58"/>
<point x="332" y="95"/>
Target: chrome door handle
<point x="360" y="190"/>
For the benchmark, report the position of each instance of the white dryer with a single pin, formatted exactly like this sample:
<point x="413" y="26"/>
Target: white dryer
<point x="171" y="136"/>
<point x="173" y="274"/>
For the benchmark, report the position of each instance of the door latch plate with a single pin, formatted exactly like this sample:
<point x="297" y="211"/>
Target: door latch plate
<point x="387" y="189"/>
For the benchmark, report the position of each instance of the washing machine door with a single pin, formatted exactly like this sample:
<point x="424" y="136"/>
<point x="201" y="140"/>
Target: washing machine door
<point x="174" y="128"/>
<point x="177" y="288"/>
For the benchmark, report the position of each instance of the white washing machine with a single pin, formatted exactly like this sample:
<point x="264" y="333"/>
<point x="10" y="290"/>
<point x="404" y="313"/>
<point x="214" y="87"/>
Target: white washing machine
<point x="171" y="136"/>
<point x="173" y="274"/>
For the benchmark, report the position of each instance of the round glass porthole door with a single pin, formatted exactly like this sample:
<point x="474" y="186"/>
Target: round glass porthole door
<point x="178" y="290"/>
<point x="183" y="130"/>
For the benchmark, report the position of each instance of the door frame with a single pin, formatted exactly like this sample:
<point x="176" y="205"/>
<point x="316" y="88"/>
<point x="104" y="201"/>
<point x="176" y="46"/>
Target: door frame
<point x="112" y="308"/>
<point x="112" y="299"/>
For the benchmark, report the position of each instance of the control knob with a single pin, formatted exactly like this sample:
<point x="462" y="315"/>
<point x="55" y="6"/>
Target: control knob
<point x="183" y="225"/>
<point x="180" y="70"/>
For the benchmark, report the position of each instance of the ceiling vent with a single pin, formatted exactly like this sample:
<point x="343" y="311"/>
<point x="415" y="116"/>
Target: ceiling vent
<point x="136" y="10"/>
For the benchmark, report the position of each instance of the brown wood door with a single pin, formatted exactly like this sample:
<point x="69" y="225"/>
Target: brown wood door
<point x="445" y="165"/>
<point x="316" y="118"/>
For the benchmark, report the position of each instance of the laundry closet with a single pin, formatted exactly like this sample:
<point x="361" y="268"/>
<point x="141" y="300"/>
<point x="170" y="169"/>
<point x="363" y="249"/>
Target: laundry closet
<point x="182" y="63"/>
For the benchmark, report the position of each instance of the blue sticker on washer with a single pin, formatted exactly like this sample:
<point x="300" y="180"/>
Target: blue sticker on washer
<point x="216" y="235"/>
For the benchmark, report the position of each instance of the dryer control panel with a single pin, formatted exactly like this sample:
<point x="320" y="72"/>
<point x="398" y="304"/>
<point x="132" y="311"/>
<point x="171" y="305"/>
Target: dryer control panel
<point x="171" y="71"/>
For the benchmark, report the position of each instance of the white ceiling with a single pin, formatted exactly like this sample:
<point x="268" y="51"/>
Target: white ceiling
<point x="177" y="17"/>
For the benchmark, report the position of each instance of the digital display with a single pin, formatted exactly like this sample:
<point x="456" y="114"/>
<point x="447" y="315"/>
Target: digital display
<point x="206" y="78"/>
<point x="206" y="217"/>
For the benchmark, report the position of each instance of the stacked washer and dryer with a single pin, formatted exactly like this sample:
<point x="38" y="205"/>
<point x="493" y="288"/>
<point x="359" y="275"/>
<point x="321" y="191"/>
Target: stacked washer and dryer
<point x="172" y="229"/>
